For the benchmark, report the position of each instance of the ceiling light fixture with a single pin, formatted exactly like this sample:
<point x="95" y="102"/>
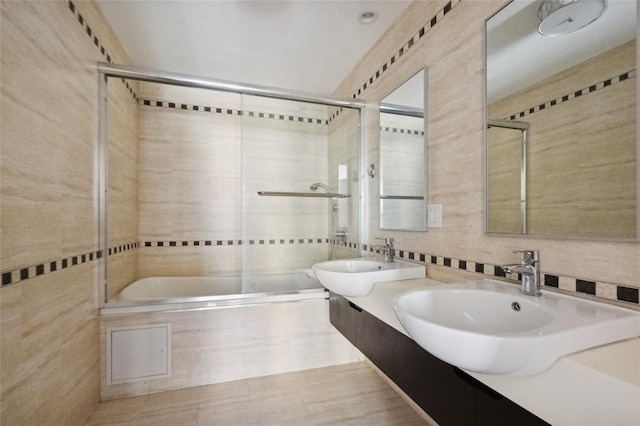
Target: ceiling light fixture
<point x="367" y="17"/>
<point x="558" y="17"/>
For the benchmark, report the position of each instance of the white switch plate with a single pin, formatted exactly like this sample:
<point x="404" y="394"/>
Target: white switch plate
<point x="434" y="216"/>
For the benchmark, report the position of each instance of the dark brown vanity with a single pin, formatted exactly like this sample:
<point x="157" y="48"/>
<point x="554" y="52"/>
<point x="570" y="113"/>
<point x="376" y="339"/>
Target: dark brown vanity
<point x="446" y="393"/>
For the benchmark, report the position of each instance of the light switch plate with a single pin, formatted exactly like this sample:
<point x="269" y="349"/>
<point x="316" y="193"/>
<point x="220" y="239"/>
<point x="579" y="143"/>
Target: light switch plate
<point x="434" y="216"/>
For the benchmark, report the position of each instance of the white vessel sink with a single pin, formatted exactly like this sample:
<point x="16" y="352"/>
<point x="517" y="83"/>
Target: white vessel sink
<point x="356" y="277"/>
<point x="489" y="327"/>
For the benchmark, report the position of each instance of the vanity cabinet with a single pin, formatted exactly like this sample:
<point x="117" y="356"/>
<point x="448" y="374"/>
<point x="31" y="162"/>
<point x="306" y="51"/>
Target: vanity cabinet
<point x="342" y="315"/>
<point x="433" y="384"/>
<point x="377" y="341"/>
<point x="449" y="395"/>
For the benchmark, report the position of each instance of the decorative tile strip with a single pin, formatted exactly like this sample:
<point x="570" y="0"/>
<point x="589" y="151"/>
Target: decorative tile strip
<point x="340" y="243"/>
<point x="627" y="295"/>
<point x="335" y="114"/>
<point x="228" y="111"/>
<point x="94" y="38"/>
<point x="408" y="45"/>
<point x="25" y="273"/>
<point x="575" y="94"/>
<point x="265" y="241"/>
<point x="401" y="131"/>
<point x="123" y="248"/>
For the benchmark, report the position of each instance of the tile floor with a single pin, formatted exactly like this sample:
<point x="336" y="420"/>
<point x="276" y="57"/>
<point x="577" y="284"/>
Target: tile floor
<point x="349" y="394"/>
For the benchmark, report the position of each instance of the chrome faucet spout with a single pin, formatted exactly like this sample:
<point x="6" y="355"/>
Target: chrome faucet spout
<point x="528" y="268"/>
<point x="518" y="268"/>
<point x="386" y="249"/>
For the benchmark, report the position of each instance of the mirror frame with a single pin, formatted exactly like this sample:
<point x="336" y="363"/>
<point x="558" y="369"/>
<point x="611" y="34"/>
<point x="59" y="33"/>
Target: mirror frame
<point x="414" y="112"/>
<point x="487" y="121"/>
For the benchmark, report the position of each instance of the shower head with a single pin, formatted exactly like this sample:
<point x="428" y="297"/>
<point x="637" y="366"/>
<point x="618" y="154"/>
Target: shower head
<point x="315" y="186"/>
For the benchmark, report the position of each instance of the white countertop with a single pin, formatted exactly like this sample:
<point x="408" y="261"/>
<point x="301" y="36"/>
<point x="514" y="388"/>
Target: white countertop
<point x="599" y="386"/>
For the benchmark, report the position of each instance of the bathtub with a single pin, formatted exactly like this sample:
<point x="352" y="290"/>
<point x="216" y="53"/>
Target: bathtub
<point x="222" y="291"/>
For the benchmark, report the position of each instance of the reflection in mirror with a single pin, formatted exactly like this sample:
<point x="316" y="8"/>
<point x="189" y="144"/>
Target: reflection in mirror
<point x="507" y="190"/>
<point x="575" y="172"/>
<point x="403" y="157"/>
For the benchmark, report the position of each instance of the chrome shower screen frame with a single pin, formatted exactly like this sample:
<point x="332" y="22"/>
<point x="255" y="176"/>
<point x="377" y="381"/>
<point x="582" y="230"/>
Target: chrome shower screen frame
<point x="109" y="70"/>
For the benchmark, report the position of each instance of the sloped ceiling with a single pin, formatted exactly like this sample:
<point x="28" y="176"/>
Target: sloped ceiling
<point x="298" y="45"/>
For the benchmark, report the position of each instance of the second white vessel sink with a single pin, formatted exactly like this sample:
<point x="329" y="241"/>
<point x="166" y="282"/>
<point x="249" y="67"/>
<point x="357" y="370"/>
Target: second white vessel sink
<point x="489" y="327"/>
<point x="356" y="277"/>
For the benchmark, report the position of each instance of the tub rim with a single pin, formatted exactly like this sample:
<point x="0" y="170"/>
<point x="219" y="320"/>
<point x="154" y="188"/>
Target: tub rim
<point x="213" y="301"/>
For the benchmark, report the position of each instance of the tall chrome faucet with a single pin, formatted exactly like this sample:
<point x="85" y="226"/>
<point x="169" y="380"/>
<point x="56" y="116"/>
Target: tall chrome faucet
<point x="528" y="268"/>
<point x="386" y="249"/>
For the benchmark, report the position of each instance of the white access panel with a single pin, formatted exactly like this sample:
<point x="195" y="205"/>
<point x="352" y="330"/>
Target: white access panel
<point x="137" y="353"/>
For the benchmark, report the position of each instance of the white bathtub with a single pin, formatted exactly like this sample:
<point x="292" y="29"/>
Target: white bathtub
<point x="233" y="289"/>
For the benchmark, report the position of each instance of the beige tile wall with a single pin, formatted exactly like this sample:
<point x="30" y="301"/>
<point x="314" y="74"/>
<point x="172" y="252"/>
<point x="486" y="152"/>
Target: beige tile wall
<point x="585" y="145"/>
<point x="222" y="345"/>
<point x="49" y="313"/>
<point x="283" y="155"/>
<point x="504" y="187"/>
<point x="453" y="51"/>
<point x="200" y="172"/>
<point x="122" y="196"/>
<point x="189" y="169"/>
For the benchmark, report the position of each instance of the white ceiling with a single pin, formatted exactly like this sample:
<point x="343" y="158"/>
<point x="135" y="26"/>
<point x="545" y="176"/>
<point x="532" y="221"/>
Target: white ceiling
<point x="300" y="45"/>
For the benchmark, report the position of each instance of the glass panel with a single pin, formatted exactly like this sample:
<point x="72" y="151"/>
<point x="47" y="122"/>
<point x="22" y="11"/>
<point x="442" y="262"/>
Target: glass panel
<point x="184" y="169"/>
<point x="284" y="149"/>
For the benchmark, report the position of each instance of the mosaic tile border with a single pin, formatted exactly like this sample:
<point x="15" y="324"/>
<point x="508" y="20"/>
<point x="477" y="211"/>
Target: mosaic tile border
<point x="18" y="275"/>
<point x="22" y="274"/>
<point x="227" y="111"/>
<point x="575" y="94"/>
<point x="437" y="18"/>
<point x="609" y="291"/>
<point x="348" y="244"/>
<point x="122" y="248"/>
<point x="602" y="290"/>
<point x="96" y="41"/>
<point x="401" y="131"/>
<point x="264" y="241"/>
<point x="334" y="116"/>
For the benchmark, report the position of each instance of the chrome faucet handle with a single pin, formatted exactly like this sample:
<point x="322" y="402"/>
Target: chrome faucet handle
<point x="386" y="240"/>
<point x="528" y="256"/>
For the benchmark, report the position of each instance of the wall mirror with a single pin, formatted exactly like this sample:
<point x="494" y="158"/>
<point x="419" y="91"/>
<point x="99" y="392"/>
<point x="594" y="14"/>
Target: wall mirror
<point x="403" y="187"/>
<point x="561" y="140"/>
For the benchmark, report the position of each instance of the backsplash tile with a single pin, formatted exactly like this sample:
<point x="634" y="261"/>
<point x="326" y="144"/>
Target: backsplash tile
<point x="583" y="286"/>
<point x="551" y="280"/>
<point x="627" y="294"/>
<point x="601" y="290"/>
